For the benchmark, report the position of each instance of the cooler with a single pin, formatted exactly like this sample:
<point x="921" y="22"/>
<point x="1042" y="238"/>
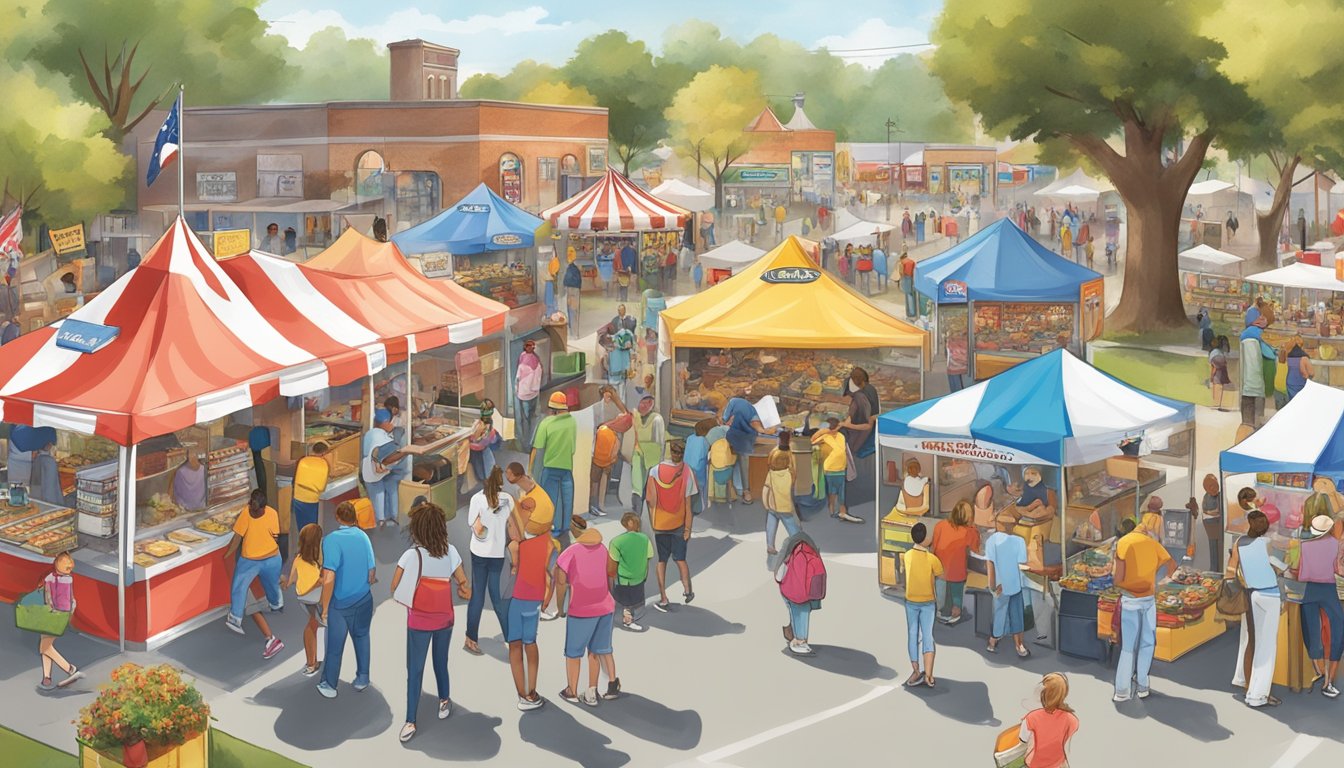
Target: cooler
<point x="1078" y="626"/>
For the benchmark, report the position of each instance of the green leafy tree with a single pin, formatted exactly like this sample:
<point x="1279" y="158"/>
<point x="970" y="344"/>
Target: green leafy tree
<point x="621" y="74"/>
<point x="525" y="76"/>
<point x="1039" y="68"/>
<point x="54" y="156"/>
<point x="904" y="90"/>
<point x="1293" y="65"/>
<point x="707" y="119"/>
<point x="559" y="93"/>
<point x="219" y="49"/>
<point x="335" y="67"/>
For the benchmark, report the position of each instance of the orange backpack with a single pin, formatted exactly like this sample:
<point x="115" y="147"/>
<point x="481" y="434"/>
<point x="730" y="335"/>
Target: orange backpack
<point x="606" y="447"/>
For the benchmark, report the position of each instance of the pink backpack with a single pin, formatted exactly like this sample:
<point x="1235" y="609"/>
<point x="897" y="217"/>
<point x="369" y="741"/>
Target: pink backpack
<point x="804" y="575"/>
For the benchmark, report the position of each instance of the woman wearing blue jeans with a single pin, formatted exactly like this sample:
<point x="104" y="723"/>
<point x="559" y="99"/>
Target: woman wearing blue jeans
<point x="488" y="517"/>
<point x="423" y="583"/>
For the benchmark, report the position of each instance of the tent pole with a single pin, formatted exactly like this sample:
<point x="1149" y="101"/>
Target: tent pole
<point x="1062" y="516"/>
<point x="970" y="341"/>
<point x="123" y="531"/>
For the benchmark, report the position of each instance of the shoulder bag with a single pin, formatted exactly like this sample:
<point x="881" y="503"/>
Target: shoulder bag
<point x="1233" y="597"/>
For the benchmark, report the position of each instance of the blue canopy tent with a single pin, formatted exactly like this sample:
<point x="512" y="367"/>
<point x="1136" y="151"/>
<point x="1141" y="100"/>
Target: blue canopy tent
<point x="1003" y="264"/>
<point x="480" y="222"/>
<point x="1053" y="411"/>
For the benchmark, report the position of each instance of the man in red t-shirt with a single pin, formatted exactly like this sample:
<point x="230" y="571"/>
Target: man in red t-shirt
<point x="530" y="547"/>
<point x="823" y="213"/>
<point x="908" y="283"/>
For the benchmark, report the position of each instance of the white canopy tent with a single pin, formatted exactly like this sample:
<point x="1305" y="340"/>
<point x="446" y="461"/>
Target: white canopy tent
<point x="680" y="193"/>
<point x="1208" y="187"/>
<point x="733" y="255"/>
<point x="1206" y="258"/>
<point x="1303" y="436"/>
<point x="1077" y="187"/>
<point x="1298" y="275"/>
<point x="861" y="232"/>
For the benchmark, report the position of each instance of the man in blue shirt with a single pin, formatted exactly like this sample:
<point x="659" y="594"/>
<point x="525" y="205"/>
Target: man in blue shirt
<point x="630" y="266"/>
<point x="743" y="426"/>
<point x="1006" y="554"/>
<point x="347" y="602"/>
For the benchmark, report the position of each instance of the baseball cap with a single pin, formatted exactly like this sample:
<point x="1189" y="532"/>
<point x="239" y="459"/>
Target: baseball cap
<point x="381" y="416"/>
<point x="558" y="402"/>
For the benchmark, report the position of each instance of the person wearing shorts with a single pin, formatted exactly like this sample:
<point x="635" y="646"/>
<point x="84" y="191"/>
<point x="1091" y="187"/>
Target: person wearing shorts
<point x="668" y="492"/>
<point x="582" y="569"/>
<point x="833" y="467"/>
<point x="630" y="555"/>
<point x="529" y="550"/>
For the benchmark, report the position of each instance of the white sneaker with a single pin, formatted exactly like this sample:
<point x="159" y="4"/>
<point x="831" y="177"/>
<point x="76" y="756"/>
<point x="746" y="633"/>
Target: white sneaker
<point x="445" y="709"/>
<point x="634" y="627"/>
<point x="1120" y="698"/>
<point x="589" y="697"/>
<point x="527" y="705"/>
<point x="548" y="615"/>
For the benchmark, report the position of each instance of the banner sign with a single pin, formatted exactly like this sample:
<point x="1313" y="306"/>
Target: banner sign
<point x="473" y="208"/>
<point x="962" y="448"/>
<point x="232" y="242"/>
<point x="952" y="292"/>
<point x="87" y="338"/>
<point x="790" y="275"/>
<point x="68" y="240"/>
<point x="507" y="238"/>
<point x="1091" y="310"/>
<point x="217" y="187"/>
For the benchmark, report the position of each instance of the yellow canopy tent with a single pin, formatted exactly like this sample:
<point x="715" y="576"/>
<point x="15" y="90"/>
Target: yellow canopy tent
<point x="357" y="254"/>
<point x="784" y="301"/>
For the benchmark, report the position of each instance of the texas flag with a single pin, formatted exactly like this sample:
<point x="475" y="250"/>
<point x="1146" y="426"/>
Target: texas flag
<point x="166" y="145"/>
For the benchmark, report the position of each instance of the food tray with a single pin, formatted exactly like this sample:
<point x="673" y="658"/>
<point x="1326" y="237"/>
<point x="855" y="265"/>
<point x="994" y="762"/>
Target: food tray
<point x="187" y="537"/>
<point x="53" y="542"/>
<point x="12" y="515"/>
<point x="21" y="532"/>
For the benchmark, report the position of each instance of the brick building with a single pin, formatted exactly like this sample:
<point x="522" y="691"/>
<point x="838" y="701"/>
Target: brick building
<point x="790" y="162"/>
<point x="304" y="167"/>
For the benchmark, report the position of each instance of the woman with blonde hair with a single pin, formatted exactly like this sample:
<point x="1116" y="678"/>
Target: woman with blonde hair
<point x="953" y="538"/>
<point x="1047" y="730"/>
<point x="777" y="494"/>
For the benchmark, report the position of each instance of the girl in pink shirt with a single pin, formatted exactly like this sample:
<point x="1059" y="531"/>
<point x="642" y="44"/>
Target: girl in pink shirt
<point x="59" y="591"/>
<point x="1047" y="730"/>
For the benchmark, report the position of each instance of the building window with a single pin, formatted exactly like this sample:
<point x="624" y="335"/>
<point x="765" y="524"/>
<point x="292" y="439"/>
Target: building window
<point x="511" y="178"/>
<point x="548" y="168"/>
<point x="370" y="171"/>
<point x="429" y="87"/>
<point x="443" y="86"/>
<point x="418" y="194"/>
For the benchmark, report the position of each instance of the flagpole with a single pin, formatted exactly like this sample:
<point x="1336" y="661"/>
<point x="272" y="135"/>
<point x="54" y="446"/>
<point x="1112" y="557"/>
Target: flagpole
<point x="181" y="148"/>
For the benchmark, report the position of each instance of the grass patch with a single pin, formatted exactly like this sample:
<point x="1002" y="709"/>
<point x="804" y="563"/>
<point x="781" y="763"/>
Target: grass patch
<point x="21" y="750"/>
<point x="1174" y="376"/>
<point x="231" y="752"/>
<point x="1181" y="337"/>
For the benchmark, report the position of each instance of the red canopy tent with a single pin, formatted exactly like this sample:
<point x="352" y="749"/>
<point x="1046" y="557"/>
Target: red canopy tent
<point x="615" y="204"/>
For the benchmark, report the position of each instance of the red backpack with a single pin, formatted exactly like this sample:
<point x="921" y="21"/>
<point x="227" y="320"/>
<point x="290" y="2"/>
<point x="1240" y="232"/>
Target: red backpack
<point x="804" y="575"/>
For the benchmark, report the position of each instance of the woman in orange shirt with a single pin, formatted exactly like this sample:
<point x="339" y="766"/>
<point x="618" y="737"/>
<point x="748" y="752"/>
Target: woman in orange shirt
<point x="1047" y="730"/>
<point x="953" y="538"/>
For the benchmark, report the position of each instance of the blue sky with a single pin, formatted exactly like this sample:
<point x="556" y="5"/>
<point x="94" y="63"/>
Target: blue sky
<point x="495" y="35"/>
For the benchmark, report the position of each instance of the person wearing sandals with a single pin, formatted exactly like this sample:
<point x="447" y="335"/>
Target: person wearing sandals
<point x="777" y="495"/>
<point x="488" y="518"/>
<point x="305" y="573"/>
<point x="1316" y="569"/>
<point x="1005" y="555"/>
<point x="670" y="486"/>
<point x="921" y="568"/>
<point x="423" y="583"/>
<point x="58" y="589"/>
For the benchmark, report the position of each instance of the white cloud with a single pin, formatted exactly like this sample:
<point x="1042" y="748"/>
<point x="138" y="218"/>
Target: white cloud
<point x="412" y="22"/>
<point x="873" y="41"/>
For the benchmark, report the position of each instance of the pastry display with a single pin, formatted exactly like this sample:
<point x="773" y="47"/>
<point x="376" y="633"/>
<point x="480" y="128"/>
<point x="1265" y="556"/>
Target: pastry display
<point x="11" y="515"/>
<point x="185" y="536"/>
<point x="212" y="526"/>
<point x="159" y="548"/>
<point x="53" y="541"/>
<point x="18" y="533"/>
<point x="341" y="469"/>
<point x="511" y="284"/>
<point x="159" y="509"/>
<point x="1029" y="328"/>
<point x="144" y="561"/>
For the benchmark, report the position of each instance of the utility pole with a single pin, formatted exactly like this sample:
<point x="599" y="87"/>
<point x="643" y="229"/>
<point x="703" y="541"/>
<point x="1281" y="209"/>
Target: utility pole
<point x="891" y="170"/>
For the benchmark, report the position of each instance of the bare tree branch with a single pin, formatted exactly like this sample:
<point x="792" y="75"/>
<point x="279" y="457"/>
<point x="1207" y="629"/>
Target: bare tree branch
<point x="93" y="85"/>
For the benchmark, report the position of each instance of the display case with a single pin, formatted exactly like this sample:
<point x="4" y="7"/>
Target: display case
<point x="38" y="527"/>
<point x="96" y="490"/>
<point x="1226" y="298"/>
<point x="509" y="277"/>
<point x="1027" y="328"/>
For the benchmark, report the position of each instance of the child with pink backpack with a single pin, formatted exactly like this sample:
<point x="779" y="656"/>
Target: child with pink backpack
<point x="801" y="575"/>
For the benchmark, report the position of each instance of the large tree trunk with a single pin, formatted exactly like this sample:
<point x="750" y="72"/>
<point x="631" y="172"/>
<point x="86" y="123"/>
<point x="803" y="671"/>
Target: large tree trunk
<point x="1267" y="225"/>
<point x="1154" y="194"/>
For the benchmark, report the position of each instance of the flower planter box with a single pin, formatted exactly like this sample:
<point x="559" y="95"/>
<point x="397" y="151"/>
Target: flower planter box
<point x="193" y="754"/>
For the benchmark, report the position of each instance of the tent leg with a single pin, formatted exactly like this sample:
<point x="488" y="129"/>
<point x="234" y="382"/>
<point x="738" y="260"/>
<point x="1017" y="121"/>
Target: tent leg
<point x="1062" y="516"/>
<point x="124" y="481"/>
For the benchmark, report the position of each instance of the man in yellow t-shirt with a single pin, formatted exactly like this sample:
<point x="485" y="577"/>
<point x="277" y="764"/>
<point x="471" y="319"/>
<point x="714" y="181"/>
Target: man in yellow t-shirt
<point x="780" y="213"/>
<point x="310" y="481"/>
<point x="921" y="568"/>
<point x="834" y="463"/>
<point x="255" y="533"/>
<point x="1138" y="556"/>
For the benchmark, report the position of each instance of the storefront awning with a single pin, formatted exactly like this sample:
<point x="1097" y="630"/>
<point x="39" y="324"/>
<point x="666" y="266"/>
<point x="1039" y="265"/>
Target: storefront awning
<point x="784" y="301"/>
<point x="1055" y="409"/>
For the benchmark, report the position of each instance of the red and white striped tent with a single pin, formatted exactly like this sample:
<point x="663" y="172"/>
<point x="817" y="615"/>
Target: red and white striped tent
<point x="191" y="348"/>
<point x="405" y="320"/>
<point x="462" y="315"/>
<point x="615" y="204"/>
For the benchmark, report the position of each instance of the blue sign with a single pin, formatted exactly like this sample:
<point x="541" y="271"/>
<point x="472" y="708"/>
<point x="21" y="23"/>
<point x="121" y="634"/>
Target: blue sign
<point x="790" y="275"/>
<point x="84" y="337"/>
<point x="473" y="208"/>
<point x="952" y="292"/>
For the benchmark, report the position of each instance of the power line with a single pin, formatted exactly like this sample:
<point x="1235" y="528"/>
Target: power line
<point x="876" y="48"/>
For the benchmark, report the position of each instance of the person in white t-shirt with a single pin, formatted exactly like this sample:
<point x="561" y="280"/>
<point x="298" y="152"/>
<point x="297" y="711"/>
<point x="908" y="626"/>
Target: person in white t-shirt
<point x="488" y="518"/>
<point x="423" y="583"/>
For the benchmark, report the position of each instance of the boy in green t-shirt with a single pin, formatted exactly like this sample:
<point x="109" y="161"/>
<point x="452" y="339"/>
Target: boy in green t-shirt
<point x="629" y="567"/>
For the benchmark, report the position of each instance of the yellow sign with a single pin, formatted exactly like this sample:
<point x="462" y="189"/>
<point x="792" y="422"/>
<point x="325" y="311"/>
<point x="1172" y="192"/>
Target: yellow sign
<point x="68" y="240"/>
<point x="232" y="242"/>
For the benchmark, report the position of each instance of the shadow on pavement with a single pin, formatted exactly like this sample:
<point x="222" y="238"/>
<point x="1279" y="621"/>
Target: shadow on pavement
<point x="555" y="730"/>
<point x="692" y="621"/>
<point x="465" y="735"/>
<point x="651" y="721"/>
<point x="18" y="650"/>
<point x="308" y="721"/>
<point x="838" y="660"/>
<point x="1195" y="719"/>
<point x="228" y="660"/>
<point x="961" y="701"/>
